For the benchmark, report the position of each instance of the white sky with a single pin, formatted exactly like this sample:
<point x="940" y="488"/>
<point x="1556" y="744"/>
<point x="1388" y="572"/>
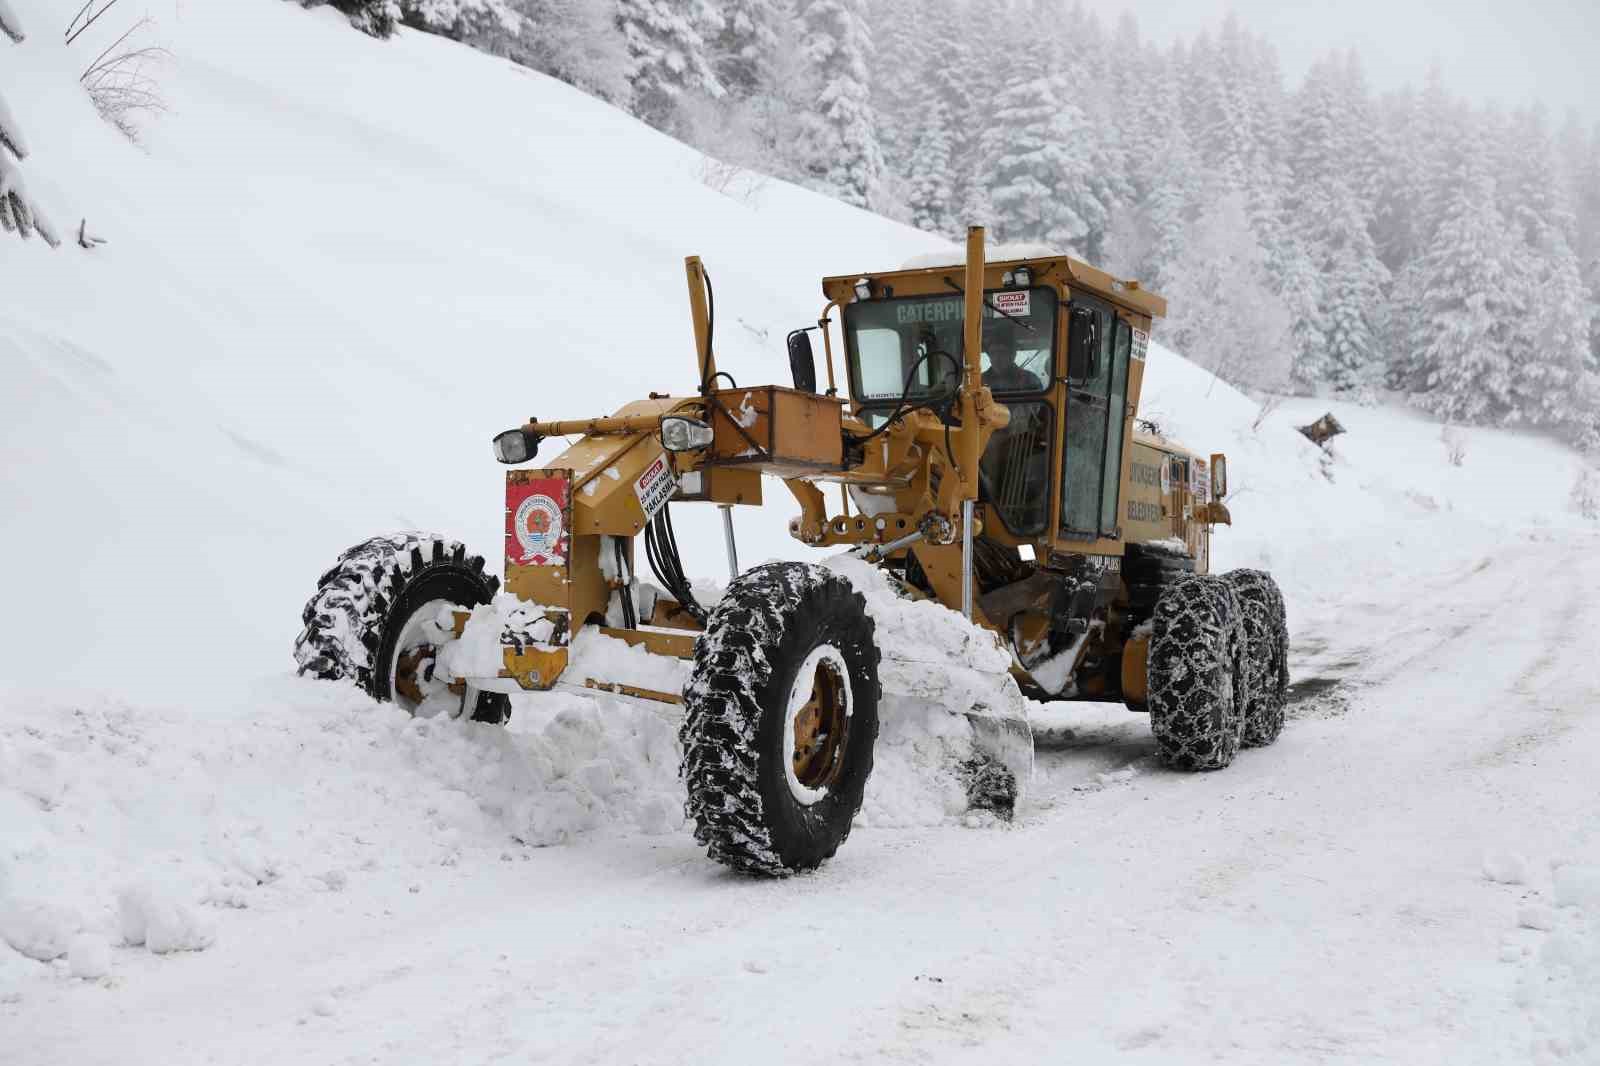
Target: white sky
<point x="1510" y="52"/>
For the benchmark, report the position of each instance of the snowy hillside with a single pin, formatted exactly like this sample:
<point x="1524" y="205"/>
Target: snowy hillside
<point x="342" y="267"/>
<point x="337" y="268"/>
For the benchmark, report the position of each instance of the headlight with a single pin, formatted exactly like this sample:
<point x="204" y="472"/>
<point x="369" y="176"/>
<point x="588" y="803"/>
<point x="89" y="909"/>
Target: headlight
<point x="682" y="434"/>
<point x="516" y="446"/>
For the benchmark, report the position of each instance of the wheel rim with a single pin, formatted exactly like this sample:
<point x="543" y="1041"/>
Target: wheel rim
<point x="816" y="727"/>
<point x="412" y="682"/>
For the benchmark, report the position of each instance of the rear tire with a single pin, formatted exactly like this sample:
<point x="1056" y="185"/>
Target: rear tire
<point x="1266" y="658"/>
<point x="369" y="621"/>
<point x="1196" y="674"/>
<point x="781" y="712"/>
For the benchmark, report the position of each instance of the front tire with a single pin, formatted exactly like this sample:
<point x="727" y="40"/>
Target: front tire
<point x="376" y="620"/>
<point x="1196" y="674"/>
<point x="781" y="713"/>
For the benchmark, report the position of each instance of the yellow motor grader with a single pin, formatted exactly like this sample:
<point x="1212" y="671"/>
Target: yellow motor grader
<point x="989" y="461"/>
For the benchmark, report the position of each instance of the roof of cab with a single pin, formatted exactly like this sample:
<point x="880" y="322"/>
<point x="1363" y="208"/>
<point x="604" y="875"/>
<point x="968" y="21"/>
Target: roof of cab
<point x="1130" y="294"/>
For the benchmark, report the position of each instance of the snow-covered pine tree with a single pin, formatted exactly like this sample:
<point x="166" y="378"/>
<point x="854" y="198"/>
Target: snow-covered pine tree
<point x="900" y="89"/>
<point x="1222" y="312"/>
<point x="1589" y="238"/>
<point x="1362" y="133"/>
<point x="1579" y="155"/>
<point x="743" y="51"/>
<point x="18" y="213"/>
<point x="1398" y="197"/>
<point x="1147" y="237"/>
<point x="1331" y="219"/>
<point x="1235" y="118"/>
<point x="1466" y="307"/>
<point x="1444" y="140"/>
<point x="841" y="151"/>
<point x="930" y="163"/>
<point x="1082" y="49"/>
<point x="1352" y="294"/>
<point x="1044" y="184"/>
<point x="1443" y="130"/>
<point x="973" y="54"/>
<point x="668" y="54"/>
<point x="1137" y="81"/>
<point x="477" y="21"/>
<point x="1551" y="349"/>
<point x="376" y="18"/>
<point x="577" y="41"/>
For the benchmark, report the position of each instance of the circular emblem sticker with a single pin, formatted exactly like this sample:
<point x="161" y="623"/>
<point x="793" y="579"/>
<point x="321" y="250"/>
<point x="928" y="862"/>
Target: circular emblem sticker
<point x="538" y="527"/>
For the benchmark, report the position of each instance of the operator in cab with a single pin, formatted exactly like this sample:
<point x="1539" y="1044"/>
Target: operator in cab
<point x="1004" y="375"/>
<point x="1015" y="468"/>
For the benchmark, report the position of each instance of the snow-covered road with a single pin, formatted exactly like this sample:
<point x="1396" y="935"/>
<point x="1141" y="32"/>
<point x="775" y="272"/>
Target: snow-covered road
<point x="1326" y="899"/>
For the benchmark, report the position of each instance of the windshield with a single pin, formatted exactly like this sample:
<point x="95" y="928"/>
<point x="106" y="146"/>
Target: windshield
<point x="920" y="338"/>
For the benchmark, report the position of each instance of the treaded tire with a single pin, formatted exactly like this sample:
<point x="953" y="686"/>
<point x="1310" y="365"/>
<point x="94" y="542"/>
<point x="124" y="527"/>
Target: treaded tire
<point x="363" y="601"/>
<point x="1266" y="658"/>
<point x="735" y="751"/>
<point x="1196" y="674"/>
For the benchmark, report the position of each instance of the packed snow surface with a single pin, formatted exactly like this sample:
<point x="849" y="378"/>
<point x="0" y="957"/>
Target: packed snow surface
<point x="335" y="270"/>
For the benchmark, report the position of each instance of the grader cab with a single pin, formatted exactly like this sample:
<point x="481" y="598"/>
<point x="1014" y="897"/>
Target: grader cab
<point x="986" y="457"/>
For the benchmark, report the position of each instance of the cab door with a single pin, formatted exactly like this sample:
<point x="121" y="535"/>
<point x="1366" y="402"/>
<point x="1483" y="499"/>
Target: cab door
<point x="1098" y="345"/>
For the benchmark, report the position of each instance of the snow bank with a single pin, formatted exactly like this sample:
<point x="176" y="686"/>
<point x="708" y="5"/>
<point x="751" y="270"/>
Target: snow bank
<point x="139" y="827"/>
<point x="1559" y="984"/>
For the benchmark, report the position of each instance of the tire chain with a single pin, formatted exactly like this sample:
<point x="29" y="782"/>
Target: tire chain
<point x="1266" y="654"/>
<point x="1196" y="658"/>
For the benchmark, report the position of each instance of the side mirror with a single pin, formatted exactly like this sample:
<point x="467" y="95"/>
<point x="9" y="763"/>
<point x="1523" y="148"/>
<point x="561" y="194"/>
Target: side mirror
<point x="1083" y="346"/>
<point x="802" y="363"/>
<point x="1219" y="476"/>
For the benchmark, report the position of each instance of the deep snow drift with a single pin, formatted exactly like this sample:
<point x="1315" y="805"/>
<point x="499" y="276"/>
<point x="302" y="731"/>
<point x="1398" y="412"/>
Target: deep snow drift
<point x="338" y="268"/>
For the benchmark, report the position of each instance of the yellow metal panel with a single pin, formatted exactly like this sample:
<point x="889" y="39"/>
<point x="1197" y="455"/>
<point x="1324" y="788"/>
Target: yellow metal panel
<point x="776" y="430"/>
<point x="673" y="645"/>
<point x="535" y="669"/>
<point x="721" y="484"/>
<point x="632" y="690"/>
<point x="1146" y="513"/>
<point x="1136" y="671"/>
<point x="604" y="499"/>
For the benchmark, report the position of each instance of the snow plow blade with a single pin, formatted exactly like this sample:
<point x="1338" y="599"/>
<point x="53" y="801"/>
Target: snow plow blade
<point x="983" y="691"/>
<point x="1008" y="742"/>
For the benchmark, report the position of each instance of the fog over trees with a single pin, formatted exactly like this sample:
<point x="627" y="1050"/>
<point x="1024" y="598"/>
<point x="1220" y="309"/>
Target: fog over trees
<point x="1314" y="237"/>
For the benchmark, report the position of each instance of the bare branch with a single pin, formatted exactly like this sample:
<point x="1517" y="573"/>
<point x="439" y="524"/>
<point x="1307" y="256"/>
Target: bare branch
<point x="135" y="28"/>
<point x="87" y="239"/>
<point x="92" y="20"/>
<point x="75" y="18"/>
